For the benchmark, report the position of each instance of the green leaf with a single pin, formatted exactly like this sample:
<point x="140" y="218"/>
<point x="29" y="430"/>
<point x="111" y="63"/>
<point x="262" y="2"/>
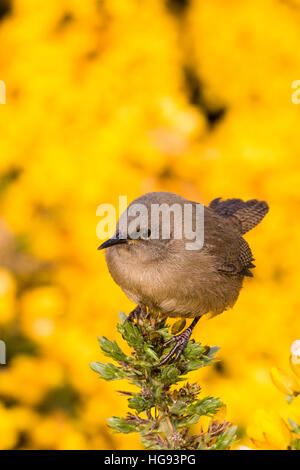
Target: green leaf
<point x="170" y="374"/>
<point x="108" y="371"/>
<point x="121" y="425"/>
<point x="188" y="421"/>
<point x="122" y="317"/>
<point x="164" y="332"/>
<point x="212" y="351"/>
<point x="193" y="351"/>
<point x="132" y="335"/>
<point x="139" y="403"/>
<point x="289" y="398"/>
<point x="225" y="440"/>
<point x="149" y="351"/>
<point x="164" y="427"/>
<point x="195" y="365"/>
<point x="111" y="349"/>
<point x="295" y="444"/>
<point x="295" y="427"/>
<point x="178" y="408"/>
<point x="206" y="407"/>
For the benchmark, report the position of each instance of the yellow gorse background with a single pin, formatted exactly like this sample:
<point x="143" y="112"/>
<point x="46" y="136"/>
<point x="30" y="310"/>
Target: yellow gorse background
<point x="120" y="97"/>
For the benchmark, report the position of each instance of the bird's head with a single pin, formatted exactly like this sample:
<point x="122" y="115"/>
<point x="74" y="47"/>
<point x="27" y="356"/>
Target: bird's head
<point x="140" y="233"/>
<point x="137" y="243"/>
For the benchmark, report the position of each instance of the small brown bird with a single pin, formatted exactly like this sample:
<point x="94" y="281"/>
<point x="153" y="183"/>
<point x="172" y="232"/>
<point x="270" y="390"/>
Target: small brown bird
<point x="163" y="275"/>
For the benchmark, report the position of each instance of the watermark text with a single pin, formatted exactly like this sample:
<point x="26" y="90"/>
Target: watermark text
<point x="2" y="352"/>
<point x="153" y="221"/>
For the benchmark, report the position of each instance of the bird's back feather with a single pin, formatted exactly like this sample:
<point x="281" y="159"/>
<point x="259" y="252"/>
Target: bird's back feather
<point x="244" y="215"/>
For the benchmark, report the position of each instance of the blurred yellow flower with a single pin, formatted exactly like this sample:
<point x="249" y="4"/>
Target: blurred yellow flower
<point x="285" y="382"/>
<point x="269" y="431"/>
<point x="295" y="358"/>
<point x="41" y="308"/>
<point x="8" y="429"/>
<point x="7" y="297"/>
<point x="57" y="432"/>
<point x="28" y="378"/>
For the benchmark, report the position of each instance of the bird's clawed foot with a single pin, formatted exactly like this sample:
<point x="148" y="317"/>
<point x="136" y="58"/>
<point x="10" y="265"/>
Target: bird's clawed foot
<point x="180" y="341"/>
<point x="137" y="312"/>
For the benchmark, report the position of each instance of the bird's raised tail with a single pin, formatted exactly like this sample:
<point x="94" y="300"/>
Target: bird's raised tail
<point x="244" y="215"/>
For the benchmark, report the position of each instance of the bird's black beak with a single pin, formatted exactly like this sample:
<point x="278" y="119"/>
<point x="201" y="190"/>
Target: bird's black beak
<point x="115" y="240"/>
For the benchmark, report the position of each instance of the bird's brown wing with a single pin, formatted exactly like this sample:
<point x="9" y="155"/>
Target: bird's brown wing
<point x="243" y="216"/>
<point x="244" y="261"/>
<point x="232" y="253"/>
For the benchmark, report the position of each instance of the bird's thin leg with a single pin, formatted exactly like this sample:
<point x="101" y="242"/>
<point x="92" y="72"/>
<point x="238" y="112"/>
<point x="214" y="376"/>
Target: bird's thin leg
<point x="180" y="341"/>
<point x="136" y="313"/>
